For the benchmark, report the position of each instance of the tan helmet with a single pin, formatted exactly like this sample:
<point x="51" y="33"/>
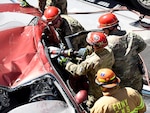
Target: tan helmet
<point x="107" y="20"/>
<point x="105" y="77"/>
<point x="97" y="38"/>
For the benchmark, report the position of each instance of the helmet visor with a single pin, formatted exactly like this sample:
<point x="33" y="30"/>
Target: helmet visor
<point x="109" y="84"/>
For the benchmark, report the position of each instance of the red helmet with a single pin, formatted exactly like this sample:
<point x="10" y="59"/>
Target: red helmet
<point x="106" y="78"/>
<point x="51" y="12"/>
<point x="97" y="38"/>
<point x="107" y="20"/>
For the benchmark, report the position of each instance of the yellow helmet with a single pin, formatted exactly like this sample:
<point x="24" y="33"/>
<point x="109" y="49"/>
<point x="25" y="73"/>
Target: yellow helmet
<point x="107" y="78"/>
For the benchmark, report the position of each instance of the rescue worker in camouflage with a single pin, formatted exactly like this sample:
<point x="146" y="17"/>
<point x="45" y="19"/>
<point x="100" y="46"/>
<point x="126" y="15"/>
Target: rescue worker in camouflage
<point x="61" y="4"/>
<point x="101" y="57"/>
<point x="43" y="4"/>
<point x="126" y="47"/>
<point x="65" y="25"/>
<point x="116" y="99"/>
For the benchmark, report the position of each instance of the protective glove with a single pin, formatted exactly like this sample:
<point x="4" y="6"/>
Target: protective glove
<point x="83" y="52"/>
<point x="62" y="60"/>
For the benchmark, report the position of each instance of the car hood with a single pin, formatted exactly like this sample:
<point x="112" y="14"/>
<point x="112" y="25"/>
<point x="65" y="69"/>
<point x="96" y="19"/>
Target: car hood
<point x="48" y="106"/>
<point x="22" y="55"/>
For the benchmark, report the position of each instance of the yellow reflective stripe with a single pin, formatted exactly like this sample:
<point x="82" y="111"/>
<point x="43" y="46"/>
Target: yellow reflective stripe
<point x="112" y="77"/>
<point x="103" y="80"/>
<point x="141" y="106"/>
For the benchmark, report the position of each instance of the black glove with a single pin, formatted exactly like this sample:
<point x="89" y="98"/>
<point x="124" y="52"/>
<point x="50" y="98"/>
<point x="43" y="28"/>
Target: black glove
<point x="62" y="60"/>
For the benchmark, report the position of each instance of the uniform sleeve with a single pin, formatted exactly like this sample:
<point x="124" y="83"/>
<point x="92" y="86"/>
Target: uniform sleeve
<point x="99" y="107"/>
<point x="138" y="40"/>
<point x="93" y="110"/>
<point x="80" y="69"/>
<point x="141" y="106"/>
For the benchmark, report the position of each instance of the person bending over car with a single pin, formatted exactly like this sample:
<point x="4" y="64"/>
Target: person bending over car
<point x="101" y="57"/>
<point x="65" y="25"/>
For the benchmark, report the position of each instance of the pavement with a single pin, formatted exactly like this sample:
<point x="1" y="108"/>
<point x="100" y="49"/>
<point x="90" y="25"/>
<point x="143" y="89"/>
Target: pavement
<point x="128" y="19"/>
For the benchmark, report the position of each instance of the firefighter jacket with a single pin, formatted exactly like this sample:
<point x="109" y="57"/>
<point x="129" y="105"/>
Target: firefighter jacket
<point x="126" y="47"/>
<point x="90" y="66"/>
<point x="120" y="100"/>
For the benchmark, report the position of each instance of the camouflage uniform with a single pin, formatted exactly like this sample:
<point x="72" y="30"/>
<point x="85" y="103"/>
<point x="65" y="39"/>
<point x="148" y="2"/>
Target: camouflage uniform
<point x="89" y="67"/>
<point x="70" y="26"/>
<point x="61" y="4"/>
<point x="126" y="47"/>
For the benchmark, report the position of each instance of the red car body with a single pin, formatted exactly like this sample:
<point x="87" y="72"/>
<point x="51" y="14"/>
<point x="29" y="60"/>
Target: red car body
<point x="24" y="58"/>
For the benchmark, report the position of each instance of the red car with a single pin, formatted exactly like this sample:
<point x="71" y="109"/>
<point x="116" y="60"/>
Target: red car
<point x="30" y="80"/>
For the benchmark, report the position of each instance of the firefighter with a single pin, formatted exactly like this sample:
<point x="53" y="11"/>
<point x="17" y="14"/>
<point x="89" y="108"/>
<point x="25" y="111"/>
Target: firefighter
<point x="116" y="99"/>
<point x="65" y="25"/>
<point x="61" y="4"/>
<point x="126" y="47"/>
<point x="101" y="57"/>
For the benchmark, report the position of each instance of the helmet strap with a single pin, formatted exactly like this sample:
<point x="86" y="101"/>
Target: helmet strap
<point x="111" y="29"/>
<point x="119" y="27"/>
